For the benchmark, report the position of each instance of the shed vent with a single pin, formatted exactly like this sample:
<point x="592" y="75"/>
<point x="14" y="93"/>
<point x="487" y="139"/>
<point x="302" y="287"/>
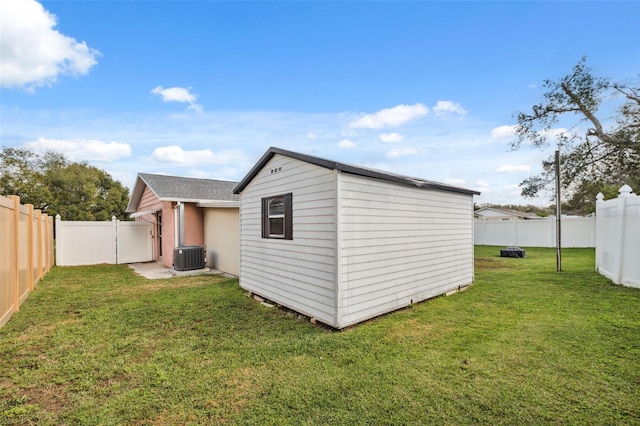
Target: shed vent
<point x="188" y="258"/>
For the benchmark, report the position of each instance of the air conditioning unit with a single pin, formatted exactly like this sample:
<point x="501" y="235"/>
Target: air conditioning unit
<point x="188" y="258"/>
<point x="512" y="252"/>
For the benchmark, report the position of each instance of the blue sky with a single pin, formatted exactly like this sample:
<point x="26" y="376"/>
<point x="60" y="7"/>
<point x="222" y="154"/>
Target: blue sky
<point x="202" y="89"/>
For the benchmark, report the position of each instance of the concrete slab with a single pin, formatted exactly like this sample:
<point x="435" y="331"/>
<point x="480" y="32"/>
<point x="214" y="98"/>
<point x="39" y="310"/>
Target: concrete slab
<point x="155" y="270"/>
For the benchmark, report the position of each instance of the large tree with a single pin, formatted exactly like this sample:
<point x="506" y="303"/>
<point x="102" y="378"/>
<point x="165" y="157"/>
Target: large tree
<point x="75" y="191"/>
<point x="595" y="123"/>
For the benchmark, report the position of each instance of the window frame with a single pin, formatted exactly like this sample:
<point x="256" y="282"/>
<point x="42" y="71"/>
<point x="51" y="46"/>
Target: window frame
<point x="287" y="217"/>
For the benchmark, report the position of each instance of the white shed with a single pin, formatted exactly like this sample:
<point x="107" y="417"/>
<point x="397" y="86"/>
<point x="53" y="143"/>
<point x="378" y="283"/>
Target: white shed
<point x="342" y="243"/>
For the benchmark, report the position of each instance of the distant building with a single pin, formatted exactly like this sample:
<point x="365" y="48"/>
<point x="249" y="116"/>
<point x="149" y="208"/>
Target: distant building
<point x="492" y="213"/>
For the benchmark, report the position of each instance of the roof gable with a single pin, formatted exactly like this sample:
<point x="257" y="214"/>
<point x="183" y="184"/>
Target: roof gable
<point x="347" y="168"/>
<point x="176" y="188"/>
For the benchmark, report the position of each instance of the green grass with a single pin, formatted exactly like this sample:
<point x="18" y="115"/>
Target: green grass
<point x="524" y="345"/>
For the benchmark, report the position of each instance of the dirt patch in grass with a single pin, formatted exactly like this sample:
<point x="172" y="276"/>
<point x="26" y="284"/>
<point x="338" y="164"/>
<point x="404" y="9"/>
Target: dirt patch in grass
<point x="243" y="386"/>
<point x="43" y="330"/>
<point x="52" y="398"/>
<point x="169" y="284"/>
<point x="410" y="330"/>
<point x="489" y="264"/>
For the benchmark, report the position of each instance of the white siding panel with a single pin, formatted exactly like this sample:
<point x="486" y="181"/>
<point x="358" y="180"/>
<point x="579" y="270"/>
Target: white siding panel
<point x="400" y="245"/>
<point x="298" y="273"/>
<point x="292" y="294"/>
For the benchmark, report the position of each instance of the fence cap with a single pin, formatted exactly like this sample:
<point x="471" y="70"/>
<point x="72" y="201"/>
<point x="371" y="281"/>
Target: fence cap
<point x="600" y="196"/>
<point x="625" y="191"/>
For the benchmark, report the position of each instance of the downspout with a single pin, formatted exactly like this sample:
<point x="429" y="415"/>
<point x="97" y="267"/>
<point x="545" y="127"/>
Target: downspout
<point x="180" y="220"/>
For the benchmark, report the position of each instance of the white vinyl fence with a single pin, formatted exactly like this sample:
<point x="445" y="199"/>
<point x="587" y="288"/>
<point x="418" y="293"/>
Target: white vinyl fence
<point x="576" y="232"/>
<point x="92" y="243"/>
<point x="618" y="238"/>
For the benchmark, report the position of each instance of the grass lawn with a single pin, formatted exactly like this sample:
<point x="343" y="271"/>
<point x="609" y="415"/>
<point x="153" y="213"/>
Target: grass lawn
<point x="524" y="345"/>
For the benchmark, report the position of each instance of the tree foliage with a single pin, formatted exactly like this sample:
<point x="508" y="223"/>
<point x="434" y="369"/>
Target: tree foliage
<point x="600" y="149"/>
<point x="75" y="191"/>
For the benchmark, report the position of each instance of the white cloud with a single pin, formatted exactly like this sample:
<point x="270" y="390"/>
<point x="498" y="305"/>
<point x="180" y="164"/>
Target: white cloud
<point x="174" y="94"/>
<point x="510" y="131"/>
<point x="175" y="155"/>
<point x="390" y="117"/>
<point x="33" y="53"/>
<point x="346" y="143"/>
<point x="504" y="131"/>
<point x="448" y="107"/>
<point x="554" y="133"/>
<point x="482" y="185"/>
<point x="83" y="149"/>
<point x="391" y="137"/>
<point x="512" y="168"/>
<point x="402" y="152"/>
<point x="178" y="94"/>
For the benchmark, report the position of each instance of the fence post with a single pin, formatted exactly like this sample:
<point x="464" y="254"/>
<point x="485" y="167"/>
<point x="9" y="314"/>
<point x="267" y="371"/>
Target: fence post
<point x="599" y="200"/>
<point x="623" y="193"/>
<point x="48" y="247"/>
<point x="50" y="252"/>
<point x="59" y="232"/>
<point x="30" y="246"/>
<point x="16" y="247"/>
<point x="114" y="246"/>
<point x="39" y="241"/>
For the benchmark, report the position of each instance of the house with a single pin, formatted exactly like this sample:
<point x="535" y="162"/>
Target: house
<point x="342" y="243"/>
<point x="189" y="212"/>
<point x="492" y="213"/>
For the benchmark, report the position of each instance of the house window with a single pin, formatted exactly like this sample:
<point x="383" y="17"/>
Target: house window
<point x="276" y="217"/>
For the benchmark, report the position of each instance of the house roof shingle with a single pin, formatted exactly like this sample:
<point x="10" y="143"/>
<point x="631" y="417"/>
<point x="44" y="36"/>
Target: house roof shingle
<point x="176" y="188"/>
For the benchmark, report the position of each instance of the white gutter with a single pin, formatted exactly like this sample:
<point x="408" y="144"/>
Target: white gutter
<point x="219" y="204"/>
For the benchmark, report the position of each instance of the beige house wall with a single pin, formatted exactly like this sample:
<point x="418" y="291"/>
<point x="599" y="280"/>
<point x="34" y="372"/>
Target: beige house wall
<point x="222" y="238"/>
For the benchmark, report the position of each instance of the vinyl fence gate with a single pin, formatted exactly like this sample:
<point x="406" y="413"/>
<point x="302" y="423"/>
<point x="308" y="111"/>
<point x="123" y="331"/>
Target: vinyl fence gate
<point x="92" y="243"/>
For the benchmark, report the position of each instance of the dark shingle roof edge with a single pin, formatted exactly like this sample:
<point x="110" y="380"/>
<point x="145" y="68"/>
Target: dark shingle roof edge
<point x="348" y="168"/>
<point x="177" y="188"/>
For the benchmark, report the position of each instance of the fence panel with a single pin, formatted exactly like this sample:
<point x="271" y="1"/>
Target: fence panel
<point x="8" y="260"/>
<point x="85" y="242"/>
<point x="36" y="257"/>
<point x="609" y="231"/>
<point x="631" y="249"/>
<point x="135" y="242"/>
<point x="92" y="243"/>
<point x="576" y="232"/>
<point x="25" y="233"/>
<point x="618" y="238"/>
<point x="24" y="253"/>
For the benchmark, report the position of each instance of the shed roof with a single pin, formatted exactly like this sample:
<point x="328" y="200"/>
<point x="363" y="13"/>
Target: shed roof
<point x="347" y="168"/>
<point x="176" y="188"/>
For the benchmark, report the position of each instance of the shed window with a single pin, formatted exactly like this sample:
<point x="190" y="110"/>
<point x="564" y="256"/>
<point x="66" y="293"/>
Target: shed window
<point x="276" y="217"/>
